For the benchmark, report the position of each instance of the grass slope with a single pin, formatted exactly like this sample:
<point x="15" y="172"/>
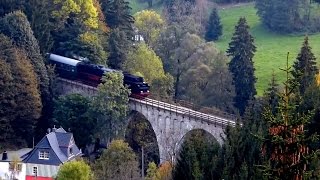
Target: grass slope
<point x="272" y="48"/>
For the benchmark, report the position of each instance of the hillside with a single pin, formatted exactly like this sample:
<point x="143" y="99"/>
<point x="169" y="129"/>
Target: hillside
<point x="272" y="48"/>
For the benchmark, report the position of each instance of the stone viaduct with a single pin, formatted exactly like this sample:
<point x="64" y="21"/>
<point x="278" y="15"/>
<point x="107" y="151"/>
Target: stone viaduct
<point x="169" y="121"/>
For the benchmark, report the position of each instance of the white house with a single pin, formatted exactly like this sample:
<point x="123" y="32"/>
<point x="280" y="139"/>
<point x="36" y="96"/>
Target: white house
<point x="11" y="165"/>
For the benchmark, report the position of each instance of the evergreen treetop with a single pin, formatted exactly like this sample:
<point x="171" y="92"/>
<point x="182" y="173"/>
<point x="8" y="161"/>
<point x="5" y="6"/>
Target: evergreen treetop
<point x="304" y="68"/>
<point x="117" y="13"/>
<point x="214" y="27"/>
<point x="16" y="26"/>
<point x="241" y="50"/>
<point x="287" y="144"/>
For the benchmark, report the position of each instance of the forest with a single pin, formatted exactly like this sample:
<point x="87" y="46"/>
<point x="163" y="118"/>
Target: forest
<point x="276" y="136"/>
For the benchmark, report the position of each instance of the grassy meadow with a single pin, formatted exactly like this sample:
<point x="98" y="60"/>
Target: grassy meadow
<point x="272" y="48"/>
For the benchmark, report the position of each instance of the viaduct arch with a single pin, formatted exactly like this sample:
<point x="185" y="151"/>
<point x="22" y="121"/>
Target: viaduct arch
<point x="170" y="122"/>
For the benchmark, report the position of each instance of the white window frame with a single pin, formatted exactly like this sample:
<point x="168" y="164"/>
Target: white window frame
<point x="15" y="167"/>
<point x="44" y="155"/>
<point x="35" y="170"/>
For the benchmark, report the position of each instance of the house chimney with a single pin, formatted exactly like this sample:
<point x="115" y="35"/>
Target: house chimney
<point x="54" y="128"/>
<point x="4" y="156"/>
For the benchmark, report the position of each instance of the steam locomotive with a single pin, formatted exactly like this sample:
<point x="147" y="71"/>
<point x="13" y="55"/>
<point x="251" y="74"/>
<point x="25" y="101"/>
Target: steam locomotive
<point x="91" y="74"/>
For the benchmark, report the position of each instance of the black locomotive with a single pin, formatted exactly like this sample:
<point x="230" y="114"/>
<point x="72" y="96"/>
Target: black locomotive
<point x="91" y="74"/>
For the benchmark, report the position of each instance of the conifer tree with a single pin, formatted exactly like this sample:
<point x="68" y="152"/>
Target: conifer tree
<point x="198" y="158"/>
<point x="117" y="13"/>
<point x="16" y="26"/>
<point x="287" y="143"/>
<point x="304" y="68"/>
<point x="214" y="27"/>
<point x="241" y="50"/>
<point x="7" y="6"/>
<point x="118" y="48"/>
<point x="20" y="103"/>
<point x="271" y="95"/>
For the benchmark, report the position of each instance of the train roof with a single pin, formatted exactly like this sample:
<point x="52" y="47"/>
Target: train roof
<point x="65" y="60"/>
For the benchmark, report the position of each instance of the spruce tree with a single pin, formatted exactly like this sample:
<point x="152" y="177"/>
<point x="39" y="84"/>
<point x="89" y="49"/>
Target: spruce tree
<point x="7" y="6"/>
<point x="119" y="46"/>
<point x="271" y="95"/>
<point x="214" y="27"/>
<point x="241" y="50"/>
<point x="16" y="26"/>
<point x="118" y="15"/>
<point x="198" y="157"/>
<point x="287" y="143"/>
<point x="304" y="68"/>
<point x="20" y="103"/>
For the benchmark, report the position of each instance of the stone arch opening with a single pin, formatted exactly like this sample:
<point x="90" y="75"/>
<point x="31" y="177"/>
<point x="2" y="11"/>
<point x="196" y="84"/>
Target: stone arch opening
<point x="140" y="134"/>
<point x="198" y="156"/>
<point x="199" y="132"/>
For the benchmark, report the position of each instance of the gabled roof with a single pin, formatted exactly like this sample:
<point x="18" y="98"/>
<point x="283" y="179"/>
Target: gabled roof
<point x="59" y="141"/>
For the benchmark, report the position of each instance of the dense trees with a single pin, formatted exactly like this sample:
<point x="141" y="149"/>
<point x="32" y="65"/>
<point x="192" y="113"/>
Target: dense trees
<point x="287" y="132"/>
<point x="198" y="157"/>
<point x="241" y="50"/>
<point x="139" y="134"/>
<point x="288" y="16"/>
<point x="16" y="26"/>
<point x="214" y="27"/>
<point x="20" y="97"/>
<point x="174" y="58"/>
<point x="73" y="112"/>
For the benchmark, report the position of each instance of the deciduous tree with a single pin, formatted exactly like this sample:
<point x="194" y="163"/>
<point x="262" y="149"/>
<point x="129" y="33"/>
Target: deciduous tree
<point x="117" y="162"/>
<point x="143" y="61"/>
<point x="149" y="24"/>
<point x="74" y="170"/>
<point x="241" y="50"/>
<point x="152" y="172"/>
<point x="85" y="11"/>
<point x="110" y="106"/>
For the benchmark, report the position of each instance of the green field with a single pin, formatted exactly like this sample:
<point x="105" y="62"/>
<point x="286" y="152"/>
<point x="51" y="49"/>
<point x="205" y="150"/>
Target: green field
<point x="271" y="48"/>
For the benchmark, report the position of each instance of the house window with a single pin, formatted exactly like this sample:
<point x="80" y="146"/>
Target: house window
<point x="15" y="167"/>
<point x="35" y="170"/>
<point x="44" y="155"/>
<point x="70" y="151"/>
